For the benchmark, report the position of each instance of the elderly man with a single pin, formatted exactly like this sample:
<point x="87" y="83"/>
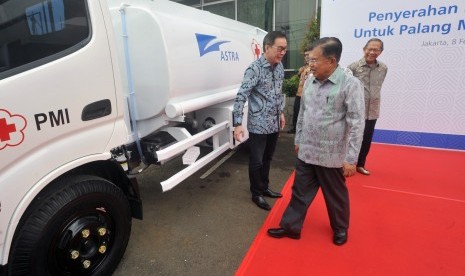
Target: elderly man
<point x="328" y="137"/>
<point x="372" y="73"/>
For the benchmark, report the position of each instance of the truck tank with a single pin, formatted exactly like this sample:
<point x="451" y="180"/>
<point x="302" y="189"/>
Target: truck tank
<point x="182" y="59"/>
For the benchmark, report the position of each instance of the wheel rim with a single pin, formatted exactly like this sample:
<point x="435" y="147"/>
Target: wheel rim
<point x="82" y="244"/>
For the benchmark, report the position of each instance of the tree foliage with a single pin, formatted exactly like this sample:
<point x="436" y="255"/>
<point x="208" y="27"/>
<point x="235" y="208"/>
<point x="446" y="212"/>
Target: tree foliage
<point x="291" y="85"/>
<point x="313" y="32"/>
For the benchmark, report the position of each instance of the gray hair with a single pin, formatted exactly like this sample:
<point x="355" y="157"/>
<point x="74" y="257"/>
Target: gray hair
<point x="330" y="46"/>
<point x="374" y="40"/>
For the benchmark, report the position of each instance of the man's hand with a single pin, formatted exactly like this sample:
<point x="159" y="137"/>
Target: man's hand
<point x="239" y="133"/>
<point x="348" y="169"/>
<point x="296" y="148"/>
<point x="282" y="121"/>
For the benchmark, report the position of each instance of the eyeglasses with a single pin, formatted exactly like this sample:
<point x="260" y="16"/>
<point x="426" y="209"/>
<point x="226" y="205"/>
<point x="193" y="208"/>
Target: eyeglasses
<point x="318" y="60"/>
<point x="280" y="49"/>
<point x="375" y="50"/>
<point x="314" y="60"/>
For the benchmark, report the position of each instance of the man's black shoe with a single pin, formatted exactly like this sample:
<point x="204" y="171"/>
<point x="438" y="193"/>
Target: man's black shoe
<point x="261" y="202"/>
<point x="281" y="233"/>
<point x="270" y="193"/>
<point x="340" y="237"/>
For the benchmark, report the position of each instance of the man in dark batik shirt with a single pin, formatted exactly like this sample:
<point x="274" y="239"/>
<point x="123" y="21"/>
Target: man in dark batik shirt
<point x="262" y="88"/>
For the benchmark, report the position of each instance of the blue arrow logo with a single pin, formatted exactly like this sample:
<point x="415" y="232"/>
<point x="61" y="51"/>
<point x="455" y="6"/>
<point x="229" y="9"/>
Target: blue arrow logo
<point x="206" y="43"/>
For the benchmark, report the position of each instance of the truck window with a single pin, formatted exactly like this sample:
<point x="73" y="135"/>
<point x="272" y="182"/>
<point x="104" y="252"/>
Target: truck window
<point x="34" y="32"/>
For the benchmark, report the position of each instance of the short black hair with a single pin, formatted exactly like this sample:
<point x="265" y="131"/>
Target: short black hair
<point x="330" y="46"/>
<point x="271" y="37"/>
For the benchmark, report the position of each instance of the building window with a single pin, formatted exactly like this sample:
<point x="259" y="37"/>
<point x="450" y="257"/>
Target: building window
<point x="46" y="17"/>
<point x="292" y="18"/>
<point x="189" y="2"/>
<point x="226" y="9"/>
<point x="258" y="13"/>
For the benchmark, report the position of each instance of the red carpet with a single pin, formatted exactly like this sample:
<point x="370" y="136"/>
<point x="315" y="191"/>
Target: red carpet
<point x="407" y="218"/>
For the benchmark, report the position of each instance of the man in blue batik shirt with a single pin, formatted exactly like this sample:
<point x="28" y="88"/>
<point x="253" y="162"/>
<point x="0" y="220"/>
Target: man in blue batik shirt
<point x="262" y="87"/>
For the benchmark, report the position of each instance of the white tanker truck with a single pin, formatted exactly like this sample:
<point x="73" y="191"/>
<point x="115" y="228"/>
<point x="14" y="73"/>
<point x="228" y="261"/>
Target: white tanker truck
<point x="91" y="93"/>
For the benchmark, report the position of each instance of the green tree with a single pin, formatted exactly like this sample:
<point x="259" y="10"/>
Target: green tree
<point x="290" y="85"/>
<point x="313" y="32"/>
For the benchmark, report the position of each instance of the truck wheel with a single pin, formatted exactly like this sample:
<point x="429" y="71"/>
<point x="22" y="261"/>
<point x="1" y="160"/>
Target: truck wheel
<point x="79" y="226"/>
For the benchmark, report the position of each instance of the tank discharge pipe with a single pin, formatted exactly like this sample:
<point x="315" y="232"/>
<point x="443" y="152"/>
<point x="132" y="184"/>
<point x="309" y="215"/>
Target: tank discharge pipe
<point x="132" y="93"/>
<point x="175" y="109"/>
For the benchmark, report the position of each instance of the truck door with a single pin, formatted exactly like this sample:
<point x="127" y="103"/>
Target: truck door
<point x="57" y="92"/>
<point x="56" y="82"/>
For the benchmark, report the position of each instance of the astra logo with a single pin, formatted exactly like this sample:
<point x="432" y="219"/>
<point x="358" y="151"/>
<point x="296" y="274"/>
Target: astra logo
<point x="208" y="44"/>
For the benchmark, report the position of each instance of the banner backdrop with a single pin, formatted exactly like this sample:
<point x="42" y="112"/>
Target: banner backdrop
<point x="423" y="96"/>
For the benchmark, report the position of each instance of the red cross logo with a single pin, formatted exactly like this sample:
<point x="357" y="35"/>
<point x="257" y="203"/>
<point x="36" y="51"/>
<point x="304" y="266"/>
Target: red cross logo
<point x="5" y="130"/>
<point x="11" y="129"/>
<point x="256" y="49"/>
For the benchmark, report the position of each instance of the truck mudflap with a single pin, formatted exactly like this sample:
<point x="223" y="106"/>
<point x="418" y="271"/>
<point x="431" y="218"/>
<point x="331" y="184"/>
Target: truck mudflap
<point x="179" y="147"/>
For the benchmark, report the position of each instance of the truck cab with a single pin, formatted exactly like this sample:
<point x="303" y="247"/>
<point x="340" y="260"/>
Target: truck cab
<point x="61" y="112"/>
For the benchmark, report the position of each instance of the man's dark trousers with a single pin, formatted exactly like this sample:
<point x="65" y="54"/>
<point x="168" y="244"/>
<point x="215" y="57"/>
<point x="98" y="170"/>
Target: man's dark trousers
<point x="295" y="114"/>
<point x="366" y="143"/>
<point x="308" y="179"/>
<point x="262" y="148"/>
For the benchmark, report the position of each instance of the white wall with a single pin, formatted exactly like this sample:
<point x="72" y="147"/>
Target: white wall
<point x="423" y="97"/>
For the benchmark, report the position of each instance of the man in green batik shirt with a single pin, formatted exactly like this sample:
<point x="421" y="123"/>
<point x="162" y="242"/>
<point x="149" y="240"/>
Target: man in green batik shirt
<point x="328" y="138"/>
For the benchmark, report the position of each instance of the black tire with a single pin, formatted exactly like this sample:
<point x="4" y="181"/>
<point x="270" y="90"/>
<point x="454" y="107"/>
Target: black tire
<point x="52" y="237"/>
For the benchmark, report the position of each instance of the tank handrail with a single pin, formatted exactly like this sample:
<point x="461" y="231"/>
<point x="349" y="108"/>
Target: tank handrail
<point x="175" y="149"/>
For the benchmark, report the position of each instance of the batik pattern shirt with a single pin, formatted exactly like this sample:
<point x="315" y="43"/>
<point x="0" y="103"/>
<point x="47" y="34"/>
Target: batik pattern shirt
<point x="372" y="79"/>
<point x="331" y="120"/>
<point x="262" y="87"/>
